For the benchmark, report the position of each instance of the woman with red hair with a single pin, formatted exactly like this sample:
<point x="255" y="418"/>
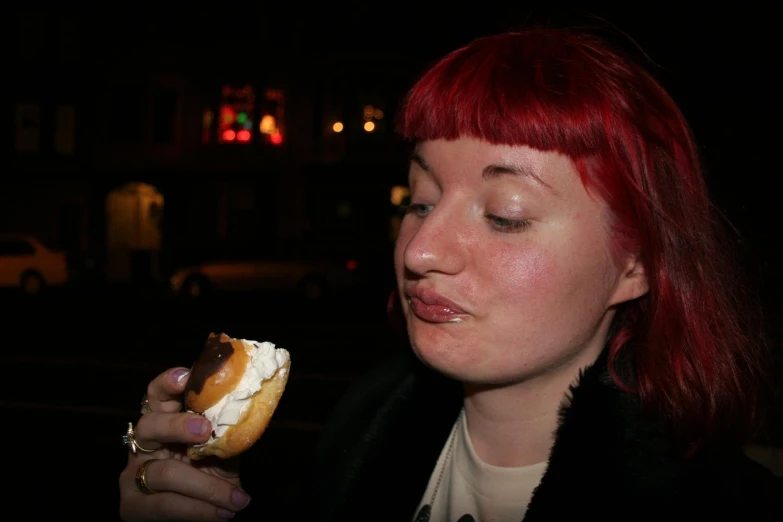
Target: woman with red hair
<point x="577" y="343"/>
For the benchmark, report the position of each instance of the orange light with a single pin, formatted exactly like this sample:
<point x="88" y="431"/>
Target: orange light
<point x="369" y="126"/>
<point x="243" y="135"/>
<point x="352" y="265"/>
<point x="276" y="138"/>
<point x="229" y="135"/>
<point x="368" y="112"/>
<point x="337" y="127"/>
<point x="268" y="124"/>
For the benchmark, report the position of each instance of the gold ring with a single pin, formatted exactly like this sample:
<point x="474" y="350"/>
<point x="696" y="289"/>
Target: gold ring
<point x="145" y="405"/>
<point x="129" y="440"/>
<point x="141" y="478"/>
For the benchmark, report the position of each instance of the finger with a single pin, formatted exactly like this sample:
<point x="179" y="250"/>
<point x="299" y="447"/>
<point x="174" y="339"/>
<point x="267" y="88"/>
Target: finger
<point x="173" y="506"/>
<point x="165" y="390"/>
<point x="226" y="468"/>
<point x="176" y="476"/>
<point x="156" y="429"/>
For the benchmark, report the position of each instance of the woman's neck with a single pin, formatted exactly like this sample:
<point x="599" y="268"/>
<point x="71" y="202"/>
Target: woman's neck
<point x="514" y="425"/>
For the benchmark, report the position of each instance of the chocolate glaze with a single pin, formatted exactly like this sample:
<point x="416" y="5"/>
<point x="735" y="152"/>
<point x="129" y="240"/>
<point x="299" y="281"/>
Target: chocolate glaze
<point x="217" y="351"/>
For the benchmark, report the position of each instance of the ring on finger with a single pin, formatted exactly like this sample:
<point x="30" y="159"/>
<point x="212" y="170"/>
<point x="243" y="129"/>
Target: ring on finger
<point x="141" y="478"/>
<point x="129" y="440"/>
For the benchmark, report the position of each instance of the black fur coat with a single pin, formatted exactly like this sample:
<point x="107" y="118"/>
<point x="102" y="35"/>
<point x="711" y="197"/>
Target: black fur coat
<point x="607" y="464"/>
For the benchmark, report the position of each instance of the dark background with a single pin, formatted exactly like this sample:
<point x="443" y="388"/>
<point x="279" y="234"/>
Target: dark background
<point x="77" y="359"/>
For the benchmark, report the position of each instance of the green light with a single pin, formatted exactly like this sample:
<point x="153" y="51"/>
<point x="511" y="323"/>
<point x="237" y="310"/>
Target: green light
<point x="241" y="118"/>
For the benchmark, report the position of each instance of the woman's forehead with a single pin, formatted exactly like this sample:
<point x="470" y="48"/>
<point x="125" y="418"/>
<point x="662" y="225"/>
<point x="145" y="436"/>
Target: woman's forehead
<point x="481" y="160"/>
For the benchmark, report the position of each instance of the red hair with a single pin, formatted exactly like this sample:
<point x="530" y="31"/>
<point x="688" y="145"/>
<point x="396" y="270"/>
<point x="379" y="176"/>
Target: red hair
<point x="698" y="361"/>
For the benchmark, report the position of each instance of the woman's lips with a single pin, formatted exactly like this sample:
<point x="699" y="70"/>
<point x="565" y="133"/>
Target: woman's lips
<point x="432" y="307"/>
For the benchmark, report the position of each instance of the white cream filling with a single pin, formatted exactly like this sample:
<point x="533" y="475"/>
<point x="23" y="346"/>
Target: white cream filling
<point x="264" y="361"/>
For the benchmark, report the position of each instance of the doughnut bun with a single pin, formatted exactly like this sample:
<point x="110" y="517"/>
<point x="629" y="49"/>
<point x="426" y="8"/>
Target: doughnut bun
<point x="217" y="372"/>
<point x="216" y="386"/>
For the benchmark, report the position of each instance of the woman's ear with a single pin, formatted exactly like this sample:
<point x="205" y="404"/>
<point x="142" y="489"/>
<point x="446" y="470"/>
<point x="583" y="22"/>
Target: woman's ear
<point x="632" y="282"/>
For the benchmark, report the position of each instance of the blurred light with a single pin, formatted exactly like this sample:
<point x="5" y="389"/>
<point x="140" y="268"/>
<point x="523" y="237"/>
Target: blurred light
<point x="227" y="114"/>
<point x="207" y="117"/>
<point x="243" y="135"/>
<point x="241" y="117"/>
<point x="352" y="265"/>
<point x="369" y="126"/>
<point x="276" y="138"/>
<point x="368" y="112"/>
<point x="337" y="127"/>
<point x="274" y="95"/>
<point x="206" y="125"/>
<point x="229" y="135"/>
<point x="378" y="114"/>
<point x="268" y="124"/>
<point x="398" y="194"/>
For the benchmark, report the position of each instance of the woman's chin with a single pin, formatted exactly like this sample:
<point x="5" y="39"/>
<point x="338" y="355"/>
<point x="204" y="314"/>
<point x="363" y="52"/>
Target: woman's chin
<point x="469" y="366"/>
<point x="455" y="363"/>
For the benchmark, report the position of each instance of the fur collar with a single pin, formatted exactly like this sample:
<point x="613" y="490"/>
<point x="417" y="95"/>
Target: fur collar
<point x="608" y="463"/>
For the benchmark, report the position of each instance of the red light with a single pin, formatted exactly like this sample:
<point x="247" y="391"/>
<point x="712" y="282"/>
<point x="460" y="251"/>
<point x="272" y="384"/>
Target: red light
<point x="352" y="265"/>
<point x="243" y="135"/>
<point x="276" y="138"/>
<point x="229" y="135"/>
<point x="227" y="114"/>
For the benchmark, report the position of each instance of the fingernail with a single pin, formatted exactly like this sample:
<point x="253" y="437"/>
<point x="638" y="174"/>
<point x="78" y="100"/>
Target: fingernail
<point x="177" y="376"/>
<point x="240" y="498"/>
<point x="197" y="425"/>
<point x="225" y="514"/>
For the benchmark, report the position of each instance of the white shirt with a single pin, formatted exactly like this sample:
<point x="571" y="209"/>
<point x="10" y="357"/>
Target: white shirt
<point x="473" y="488"/>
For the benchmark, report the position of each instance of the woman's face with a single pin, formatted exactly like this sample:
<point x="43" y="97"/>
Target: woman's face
<point x="503" y="263"/>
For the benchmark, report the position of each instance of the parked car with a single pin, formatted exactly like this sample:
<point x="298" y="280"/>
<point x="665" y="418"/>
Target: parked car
<point x="312" y="280"/>
<point x="26" y="264"/>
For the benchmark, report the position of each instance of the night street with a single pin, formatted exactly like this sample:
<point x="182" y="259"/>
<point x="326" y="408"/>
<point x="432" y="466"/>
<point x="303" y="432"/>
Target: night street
<point x="543" y="181"/>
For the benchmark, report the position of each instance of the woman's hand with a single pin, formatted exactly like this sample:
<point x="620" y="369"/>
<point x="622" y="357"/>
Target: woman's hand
<point x="182" y="489"/>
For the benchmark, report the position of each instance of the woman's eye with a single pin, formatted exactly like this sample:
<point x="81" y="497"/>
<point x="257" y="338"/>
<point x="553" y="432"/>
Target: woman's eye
<point x="419" y="209"/>
<point x="508" y="225"/>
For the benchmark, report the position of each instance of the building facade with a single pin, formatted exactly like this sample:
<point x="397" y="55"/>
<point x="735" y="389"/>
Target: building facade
<point x="234" y="146"/>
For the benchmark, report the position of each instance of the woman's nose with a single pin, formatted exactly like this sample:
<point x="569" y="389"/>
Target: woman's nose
<point x="437" y="245"/>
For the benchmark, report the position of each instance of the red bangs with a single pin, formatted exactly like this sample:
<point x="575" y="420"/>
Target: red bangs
<point x="534" y="89"/>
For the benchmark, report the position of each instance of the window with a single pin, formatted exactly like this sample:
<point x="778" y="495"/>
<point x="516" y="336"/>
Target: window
<point x="272" y="113"/>
<point x="28" y="127"/>
<point x="207" y="117"/>
<point x="65" y="129"/>
<point x="16" y="248"/>
<point x="236" y="115"/>
<point x="165" y="116"/>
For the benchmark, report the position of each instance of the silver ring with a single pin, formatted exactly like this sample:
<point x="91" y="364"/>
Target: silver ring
<point x="129" y="441"/>
<point x="145" y="405"/>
